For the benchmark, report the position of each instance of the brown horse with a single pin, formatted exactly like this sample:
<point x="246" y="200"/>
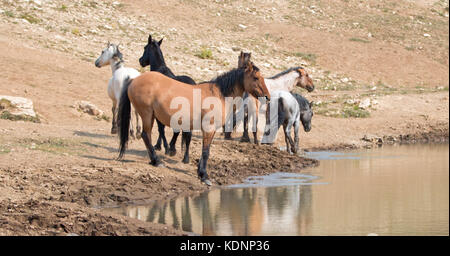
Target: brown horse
<point x="153" y="95"/>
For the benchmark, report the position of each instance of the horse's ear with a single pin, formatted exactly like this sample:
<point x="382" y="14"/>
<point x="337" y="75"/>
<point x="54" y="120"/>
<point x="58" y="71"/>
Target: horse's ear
<point x="249" y="67"/>
<point x="108" y="44"/>
<point x="149" y="38"/>
<point x="160" y="41"/>
<point x="311" y="104"/>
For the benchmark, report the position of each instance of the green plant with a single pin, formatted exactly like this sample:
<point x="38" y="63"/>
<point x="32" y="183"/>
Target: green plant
<point x="354" y="111"/>
<point x="8" y="116"/>
<point x="360" y="40"/>
<point x="204" y="53"/>
<point x="310" y="57"/>
<point x="63" y="8"/>
<point x="76" y="32"/>
<point x="30" y="18"/>
<point x="9" y="14"/>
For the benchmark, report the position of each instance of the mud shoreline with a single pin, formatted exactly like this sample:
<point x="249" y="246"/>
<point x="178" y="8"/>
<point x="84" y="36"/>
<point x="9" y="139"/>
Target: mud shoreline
<point x="51" y="201"/>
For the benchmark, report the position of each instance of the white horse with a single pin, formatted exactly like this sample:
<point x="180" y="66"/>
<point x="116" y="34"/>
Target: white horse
<point x="112" y="56"/>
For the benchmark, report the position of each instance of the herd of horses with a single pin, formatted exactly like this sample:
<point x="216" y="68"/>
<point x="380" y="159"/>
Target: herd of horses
<point x="138" y="99"/>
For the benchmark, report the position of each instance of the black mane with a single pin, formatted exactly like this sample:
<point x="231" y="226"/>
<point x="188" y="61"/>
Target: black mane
<point x="302" y="101"/>
<point x="227" y="81"/>
<point x="285" y="72"/>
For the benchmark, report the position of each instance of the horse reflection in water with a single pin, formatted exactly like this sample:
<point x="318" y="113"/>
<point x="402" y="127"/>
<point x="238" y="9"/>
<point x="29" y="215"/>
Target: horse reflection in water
<point x="249" y="211"/>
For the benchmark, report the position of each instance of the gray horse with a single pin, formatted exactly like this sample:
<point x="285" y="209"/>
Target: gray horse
<point x="287" y="109"/>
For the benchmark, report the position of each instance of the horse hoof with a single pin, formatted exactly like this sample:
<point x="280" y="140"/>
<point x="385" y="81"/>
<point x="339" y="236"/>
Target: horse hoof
<point x="172" y="152"/>
<point x="157" y="163"/>
<point x="245" y="139"/>
<point x="114" y="131"/>
<point x="157" y="147"/>
<point x="207" y="182"/>
<point x="185" y="160"/>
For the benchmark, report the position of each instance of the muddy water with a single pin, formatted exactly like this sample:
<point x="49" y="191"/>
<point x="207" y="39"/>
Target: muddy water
<point x="393" y="190"/>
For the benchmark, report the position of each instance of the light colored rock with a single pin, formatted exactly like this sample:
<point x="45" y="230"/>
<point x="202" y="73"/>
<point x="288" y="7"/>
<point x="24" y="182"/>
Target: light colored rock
<point x="19" y="106"/>
<point x="364" y="104"/>
<point x="89" y="108"/>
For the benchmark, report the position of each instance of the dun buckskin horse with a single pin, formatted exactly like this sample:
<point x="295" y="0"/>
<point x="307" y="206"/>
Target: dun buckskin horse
<point x="152" y="95"/>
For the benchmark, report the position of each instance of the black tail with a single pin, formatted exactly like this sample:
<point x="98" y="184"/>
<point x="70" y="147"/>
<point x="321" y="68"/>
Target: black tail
<point x="124" y="117"/>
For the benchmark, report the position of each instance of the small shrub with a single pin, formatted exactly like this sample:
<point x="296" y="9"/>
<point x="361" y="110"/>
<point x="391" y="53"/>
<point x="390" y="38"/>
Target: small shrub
<point x="30" y="18"/>
<point x="204" y="53"/>
<point x="310" y="57"/>
<point x="76" y="32"/>
<point x="63" y="8"/>
<point x="355" y="111"/>
<point x="359" y="40"/>
<point x="9" y="14"/>
<point x="8" y="116"/>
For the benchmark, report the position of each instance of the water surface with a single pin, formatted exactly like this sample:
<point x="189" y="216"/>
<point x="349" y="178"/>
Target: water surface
<point x="393" y="190"/>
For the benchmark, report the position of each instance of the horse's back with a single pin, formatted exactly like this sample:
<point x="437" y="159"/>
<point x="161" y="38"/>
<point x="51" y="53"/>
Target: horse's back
<point x="185" y="79"/>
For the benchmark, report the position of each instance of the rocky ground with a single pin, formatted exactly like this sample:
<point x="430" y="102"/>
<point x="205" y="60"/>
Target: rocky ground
<point x="380" y="70"/>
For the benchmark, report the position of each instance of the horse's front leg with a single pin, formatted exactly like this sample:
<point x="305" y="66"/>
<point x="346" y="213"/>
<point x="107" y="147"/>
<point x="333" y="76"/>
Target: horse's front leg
<point x="201" y="170"/>
<point x="255" y="123"/>
<point x="186" y="138"/>
<point x="288" y="138"/>
<point x="162" y="137"/>
<point x="296" y="139"/>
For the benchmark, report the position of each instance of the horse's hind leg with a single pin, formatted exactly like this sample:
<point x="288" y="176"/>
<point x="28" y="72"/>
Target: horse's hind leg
<point x="138" y="125"/>
<point x="173" y="141"/>
<point x="114" y="128"/>
<point x="132" y="120"/>
<point x="288" y="138"/>
<point x="147" y="138"/>
<point x="186" y="138"/>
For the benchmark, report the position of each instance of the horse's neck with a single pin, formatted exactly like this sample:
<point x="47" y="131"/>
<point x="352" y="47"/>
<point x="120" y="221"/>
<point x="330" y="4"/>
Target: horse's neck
<point x="282" y="83"/>
<point x="116" y="64"/>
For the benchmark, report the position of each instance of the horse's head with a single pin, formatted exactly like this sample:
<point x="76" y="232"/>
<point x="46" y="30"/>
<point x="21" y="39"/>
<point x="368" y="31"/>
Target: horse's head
<point x="152" y="53"/>
<point x="304" y="81"/>
<point x="110" y="52"/>
<point x="306" y="117"/>
<point x="243" y="59"/>
<point x="254" y="82"/>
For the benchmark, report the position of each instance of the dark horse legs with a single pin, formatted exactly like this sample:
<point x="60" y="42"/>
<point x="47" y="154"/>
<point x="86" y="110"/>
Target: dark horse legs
<point x="161" y="137"/>
<point x="154" y="160"/>
<point x="170" y="148"/>
<point x="187" y="140"/>
<point x="201" y="170"/>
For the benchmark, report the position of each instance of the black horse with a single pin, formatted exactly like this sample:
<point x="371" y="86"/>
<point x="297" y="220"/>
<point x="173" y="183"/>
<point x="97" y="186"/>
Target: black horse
<point x="153" y="56"/>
